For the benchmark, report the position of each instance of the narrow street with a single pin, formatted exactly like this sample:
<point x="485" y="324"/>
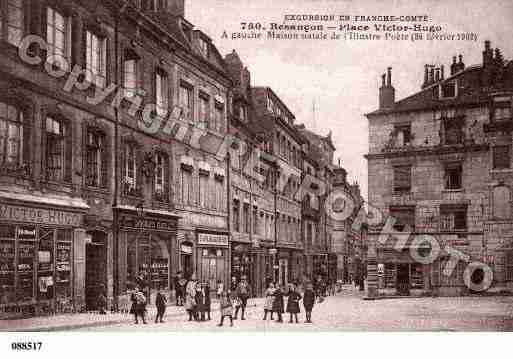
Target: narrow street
<point x="348" y="312"/>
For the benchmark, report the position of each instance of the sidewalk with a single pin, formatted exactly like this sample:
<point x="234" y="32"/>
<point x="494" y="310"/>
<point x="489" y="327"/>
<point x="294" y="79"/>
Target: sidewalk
<point x="66" y="322"/>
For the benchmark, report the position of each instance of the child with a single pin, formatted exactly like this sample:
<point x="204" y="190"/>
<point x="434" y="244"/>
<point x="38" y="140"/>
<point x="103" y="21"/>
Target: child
<point x="160" y="302"/>
<point x="293" y="302"/>
<point x="226" y="308"/>
<point x="220" y="289"/>
<point x="269" y="299"/>
<point x="309" y="301"/>
<point x="200" y="303"/>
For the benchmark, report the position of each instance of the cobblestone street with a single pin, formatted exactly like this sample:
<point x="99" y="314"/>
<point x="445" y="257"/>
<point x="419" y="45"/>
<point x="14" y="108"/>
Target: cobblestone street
<point x="348" y="312"/>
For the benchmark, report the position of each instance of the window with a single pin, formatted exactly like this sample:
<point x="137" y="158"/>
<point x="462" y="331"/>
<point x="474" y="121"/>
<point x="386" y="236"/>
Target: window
<point x="448" y="90"/>
<point x="11" y="135"/>
<point x="12" y="21"/>
<point x="58" y="37"/>
<point x="130" y="74"/>
<point x="404" y="216"/>
<point x="96" y="59"/>
<point x="501" y="157"/>
<point x="501" y="202"/>
<point x="56" y="149"/>
<point x="203" y="45"/>
<point x="130" y="169"/>
<point x="203" y="189"/>
<point x="453" y="218"/>
<point x="246" y="217"/>
<point x="236" y="215"/>
<point x="218" y="124"/>
<point x="219" y="194"/>
<point x="161" y="92"/>
<point x="502" y="111"/>
<point x="402" y="179"/>
<point x="453" y="176"/>
<point x="453" y="130"/>
<point x="204" y="110"/>
<point x="160" y="180"/>
<point x="96" y="162"/>
<point x="403" y="135"/>
<point x="255" y="220"/>
<point x="186" y="101"/>
<point x="186" y="184"/>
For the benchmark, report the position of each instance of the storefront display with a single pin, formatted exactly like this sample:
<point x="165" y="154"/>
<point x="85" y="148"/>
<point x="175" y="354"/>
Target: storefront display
<point x="212" y="258"/>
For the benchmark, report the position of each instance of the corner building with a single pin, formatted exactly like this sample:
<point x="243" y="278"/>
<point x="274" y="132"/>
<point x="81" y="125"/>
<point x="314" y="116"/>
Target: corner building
<point x="440" y="163"/>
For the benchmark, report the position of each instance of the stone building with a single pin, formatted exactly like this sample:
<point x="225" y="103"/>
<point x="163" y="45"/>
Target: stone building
<point x="90" y="197"/>
<point x="440" y="164"/>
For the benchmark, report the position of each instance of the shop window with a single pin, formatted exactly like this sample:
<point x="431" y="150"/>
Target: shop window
<point x="501" y="157"/>
<point x="130" y="73"/>
<point x="204" y="110"/>
<point x="58" y="149"/>
<point x="12" y="21"/>
<point x="58" y="37"/>
<point x="402" y="179"/>
<point x="186" y="100"/>
<point x="501" y="202"/>
<point x="96" y="159"/>
<point x="131" y="185"/>
<point x="13" y="136"/>
<point x="7" y="264"/>
<point x="236" y="215"/>
<point x="161" y="92"/>
<point x="453" y="176"/>
<point x="453" y="218"/>
<point x="404" y="216"/>
<point x="96" y="59"/>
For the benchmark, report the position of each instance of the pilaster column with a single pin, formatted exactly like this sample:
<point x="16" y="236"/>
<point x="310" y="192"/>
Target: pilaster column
<point x="372" y="269"/>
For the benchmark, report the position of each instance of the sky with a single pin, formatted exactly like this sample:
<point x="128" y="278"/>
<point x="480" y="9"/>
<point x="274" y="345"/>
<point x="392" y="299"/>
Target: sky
<point x="343" y="77"/>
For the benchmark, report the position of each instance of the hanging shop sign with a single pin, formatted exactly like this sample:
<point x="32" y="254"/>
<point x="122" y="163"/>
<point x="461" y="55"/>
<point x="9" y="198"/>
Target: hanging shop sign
<point x="39" y="215"/>
<point x="212" y="239"/>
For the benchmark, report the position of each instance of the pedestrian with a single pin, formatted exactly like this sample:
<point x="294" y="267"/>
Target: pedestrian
<point x="138" y="305"/>
<point x="243" y="292"/>
<point x="190" y="297"/>
<point x="160" y="303"/>
<point x="200" y="303"/>
<point x="220" y="288"/>
<point x="278" y="303"/>
<point x="226" y="308"/>
<point x="293" y="302"/>
<point x="102" y="303"/>
<point x="269" y="299"/>
<point x="233" y="286"/>
<point x="308" y="301"/>
<point x="182" y="282"/>
<point x="206" y="294"/>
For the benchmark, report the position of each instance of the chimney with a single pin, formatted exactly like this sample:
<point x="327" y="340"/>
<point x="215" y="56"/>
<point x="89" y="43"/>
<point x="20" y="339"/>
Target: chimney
<point x="454" y="66"/>
<point x="432" y="75"/>
<point x="386" y="91"/>
<point x="461" y="65"/>
<point x="176" y="7"/>
<point x="437" y="74"/>
<point x="426" y="76"/>
<point x="487" y="54"/>
<point x="442" y="72"/>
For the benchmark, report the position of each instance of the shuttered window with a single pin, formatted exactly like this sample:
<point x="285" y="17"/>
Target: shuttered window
<point x="501" y="157"/>
<point x="402" y="179"/>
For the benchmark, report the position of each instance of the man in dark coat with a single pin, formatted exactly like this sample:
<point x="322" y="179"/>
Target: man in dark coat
<point x="160" y="303"/>
<point x="206" y="293"/>
<point x="309" y="301"/>
<point x="243" y="292"/>
<point x="278" y="303"/>
<point x="293" y="302"/>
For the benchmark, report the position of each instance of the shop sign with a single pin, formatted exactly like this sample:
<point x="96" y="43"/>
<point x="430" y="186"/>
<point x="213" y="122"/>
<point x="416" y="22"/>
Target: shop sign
<point x="39" y="215"/>
<point x="186" y="249"/>
<point x="129" y="221"/>
<point x="212" y="239"/>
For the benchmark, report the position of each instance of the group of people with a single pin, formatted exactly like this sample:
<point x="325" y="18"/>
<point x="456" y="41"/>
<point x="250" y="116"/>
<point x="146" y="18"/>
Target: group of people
<point x="195" y="297"/>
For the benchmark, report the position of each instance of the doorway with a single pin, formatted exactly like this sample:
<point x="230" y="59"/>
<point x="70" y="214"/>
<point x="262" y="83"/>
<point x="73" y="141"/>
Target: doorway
<point x="96" y="265"/>
<point x="403" y="279"/>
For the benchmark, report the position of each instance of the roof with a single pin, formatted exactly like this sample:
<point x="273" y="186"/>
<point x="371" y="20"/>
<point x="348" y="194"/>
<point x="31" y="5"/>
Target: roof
<point x="268" y="89"/>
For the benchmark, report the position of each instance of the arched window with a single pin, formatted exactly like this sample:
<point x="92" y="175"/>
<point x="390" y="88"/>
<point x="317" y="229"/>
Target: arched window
<point x="501" y="202"/>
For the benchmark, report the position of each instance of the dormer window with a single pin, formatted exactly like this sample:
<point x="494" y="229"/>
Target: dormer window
<point x="403" y="134"/>
<point x="203" y="45"/>
<point x="448" y="90"/>
<point x="502" y="111"/>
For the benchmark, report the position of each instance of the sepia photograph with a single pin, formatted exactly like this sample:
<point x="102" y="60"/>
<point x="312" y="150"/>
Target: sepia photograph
<point x="235" y="166"/>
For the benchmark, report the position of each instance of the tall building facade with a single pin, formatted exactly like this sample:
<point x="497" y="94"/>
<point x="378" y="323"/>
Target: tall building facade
<point x="439" y="163"/>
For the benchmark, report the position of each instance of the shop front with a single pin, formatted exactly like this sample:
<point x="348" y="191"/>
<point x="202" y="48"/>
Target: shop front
<point x="147" y="242"/>
<point x="212" y="258"/>
<point x="41" y="260"/>
<point x="242" y="261"/>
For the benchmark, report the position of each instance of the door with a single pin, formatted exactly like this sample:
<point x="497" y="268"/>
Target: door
<point x="95" y="272"/>
<point x="186" y="264"/>
<point x="403" y="279"/>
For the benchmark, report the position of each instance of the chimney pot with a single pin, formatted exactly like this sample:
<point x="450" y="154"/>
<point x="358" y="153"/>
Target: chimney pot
<point x="454" y="59"/>
<point x="389" y="79"/>
<point x="487" y="44"/>
<point x="442" y="72"/>
<point x="460" y="57"/>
